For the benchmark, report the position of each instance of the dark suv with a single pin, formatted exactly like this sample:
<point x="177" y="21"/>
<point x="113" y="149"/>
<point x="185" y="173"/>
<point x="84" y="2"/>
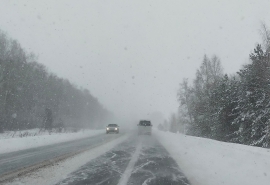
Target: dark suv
<point x="144" y="127"/>
<point x="112" y="128"/>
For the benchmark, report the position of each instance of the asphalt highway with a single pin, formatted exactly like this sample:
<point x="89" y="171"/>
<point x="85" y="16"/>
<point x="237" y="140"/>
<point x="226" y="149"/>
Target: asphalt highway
<point x="14" y="161"/>
<point x="138" y="161"/>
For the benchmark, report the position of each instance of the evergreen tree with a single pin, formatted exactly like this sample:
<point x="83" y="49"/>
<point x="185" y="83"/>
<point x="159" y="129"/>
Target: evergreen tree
<point x="254" y="100"/>
<point x="223" y="103"/>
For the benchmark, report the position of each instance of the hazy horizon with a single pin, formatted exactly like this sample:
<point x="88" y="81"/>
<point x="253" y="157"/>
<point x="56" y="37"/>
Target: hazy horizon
<point x="133" y="55"/>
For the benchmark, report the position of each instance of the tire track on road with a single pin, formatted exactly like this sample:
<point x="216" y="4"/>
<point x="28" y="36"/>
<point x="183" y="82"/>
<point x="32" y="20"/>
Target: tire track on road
<point x="138" y="161"/>
<point x="106" y="169"/>
<point x="155" y="166"/>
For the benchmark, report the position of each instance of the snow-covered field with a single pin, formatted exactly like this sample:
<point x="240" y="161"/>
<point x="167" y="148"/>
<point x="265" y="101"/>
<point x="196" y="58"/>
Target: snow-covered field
<point x="210" y="162"/>
<point x="14" y="141"/>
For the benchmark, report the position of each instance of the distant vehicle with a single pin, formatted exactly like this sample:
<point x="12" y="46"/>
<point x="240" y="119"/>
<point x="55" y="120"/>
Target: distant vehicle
<point x="112" y="128"/>
<point x="145" y="127"/>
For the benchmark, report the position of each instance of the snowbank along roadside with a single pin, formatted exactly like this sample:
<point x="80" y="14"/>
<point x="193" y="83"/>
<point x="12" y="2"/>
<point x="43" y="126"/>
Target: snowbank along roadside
<point x="210" y="162"/>
<point x="17" y="143"/>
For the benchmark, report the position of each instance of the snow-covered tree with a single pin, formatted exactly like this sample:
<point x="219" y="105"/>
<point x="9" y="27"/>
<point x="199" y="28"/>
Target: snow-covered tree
<point x="253" y="101"/>
<point x="27" y="89"/>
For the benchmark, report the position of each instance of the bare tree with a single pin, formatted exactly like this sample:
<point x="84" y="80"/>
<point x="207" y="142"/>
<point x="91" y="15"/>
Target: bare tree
<point x="265" y="33"/>
<point x="184" y="98"/>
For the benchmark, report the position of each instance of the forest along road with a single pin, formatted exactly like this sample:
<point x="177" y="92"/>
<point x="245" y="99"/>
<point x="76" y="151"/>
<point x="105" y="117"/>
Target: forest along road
<point x="137" y="161"/>
<point x="16" y="161"/>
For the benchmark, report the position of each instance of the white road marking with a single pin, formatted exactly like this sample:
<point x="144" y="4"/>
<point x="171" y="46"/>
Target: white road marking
<point x="126" y="175"/>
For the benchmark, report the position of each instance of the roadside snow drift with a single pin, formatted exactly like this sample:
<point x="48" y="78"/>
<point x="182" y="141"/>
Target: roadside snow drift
<point x="210" y="162"/>
<point x="17" y="143"/>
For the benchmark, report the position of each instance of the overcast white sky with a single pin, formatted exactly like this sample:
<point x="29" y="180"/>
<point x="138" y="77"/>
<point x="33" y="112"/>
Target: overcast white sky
<point x="132" y="55"/>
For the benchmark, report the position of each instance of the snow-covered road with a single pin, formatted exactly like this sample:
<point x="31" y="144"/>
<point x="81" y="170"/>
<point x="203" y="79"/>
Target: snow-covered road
<point x="162" y="158"/>
<point x="22" y="160"/>
<point x="137" y="161"/>
<point x="125" y="160"/>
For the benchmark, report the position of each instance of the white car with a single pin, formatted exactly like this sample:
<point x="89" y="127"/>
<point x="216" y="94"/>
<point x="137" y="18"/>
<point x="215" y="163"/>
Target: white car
<point x="112" y="128"/>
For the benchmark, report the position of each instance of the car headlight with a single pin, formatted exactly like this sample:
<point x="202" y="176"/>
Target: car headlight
<point x="107" y="128"/>
<point x="115" y="129"/>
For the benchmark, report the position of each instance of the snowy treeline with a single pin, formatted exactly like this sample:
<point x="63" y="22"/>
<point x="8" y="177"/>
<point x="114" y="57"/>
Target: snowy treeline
<point x="28" y="91"/>
<point x="228" y="108"/>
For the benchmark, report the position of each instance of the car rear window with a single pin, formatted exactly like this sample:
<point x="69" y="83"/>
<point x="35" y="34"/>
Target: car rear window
<point x="145" y="123"/>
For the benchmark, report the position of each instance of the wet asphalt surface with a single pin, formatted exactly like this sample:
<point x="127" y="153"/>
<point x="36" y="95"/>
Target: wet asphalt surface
<point x="10" y="162"/>
<point x="153" y="166"/>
